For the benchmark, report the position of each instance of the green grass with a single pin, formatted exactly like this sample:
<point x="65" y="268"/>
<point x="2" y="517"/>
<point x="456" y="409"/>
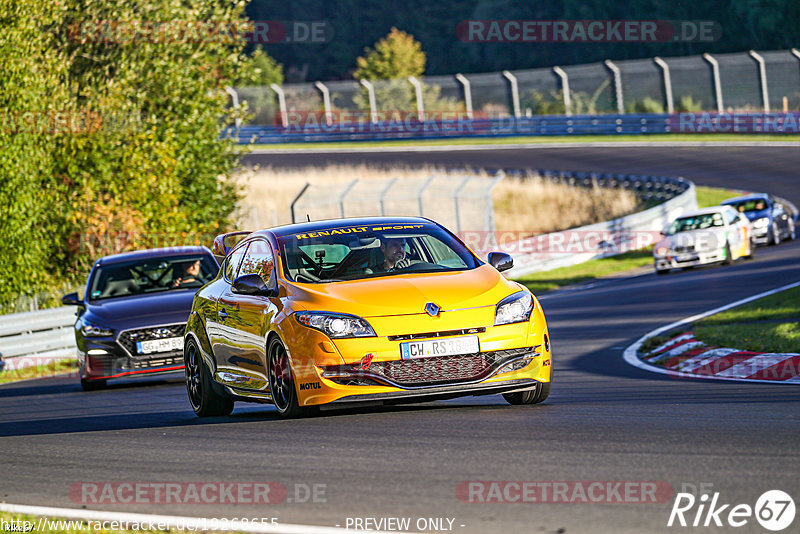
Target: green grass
<point x="758" y="337"/>
<point x="531" y="140"/>
<point x="564" y="276"/>
<point x="713" y="196"/>
<point x="783" y="305"/>
<point x="58" y="367"/>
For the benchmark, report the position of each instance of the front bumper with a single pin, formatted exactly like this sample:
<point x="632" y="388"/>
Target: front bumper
<point x="510" y="357"/>
<point x="691" y="259"/>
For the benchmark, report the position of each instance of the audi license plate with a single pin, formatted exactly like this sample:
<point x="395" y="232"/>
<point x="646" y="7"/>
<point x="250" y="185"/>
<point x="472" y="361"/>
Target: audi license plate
<point x="439" y="347"/>
<point x="168" y="344"/>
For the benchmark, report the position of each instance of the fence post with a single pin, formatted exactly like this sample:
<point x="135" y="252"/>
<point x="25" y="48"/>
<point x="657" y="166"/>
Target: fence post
<point x="455" y="201"/>
<point x="235" y="102"/>
<point x="281" y="103"/>
<point x="418" y="91"/>
<point x="562" y="74"/>
<point x="467" y="93"/>
<point x="373" y="112"/>
<point x="717" y="83"/>
<point x="300" y="194"/>
<point x="347" y="189"/>
<point x="762" y="75"/>
<point x="667" y="83"/>
<point x="421" y="191"/>
<point x="383" y="195"/>
<point x="512" y="81"/>
<point x="489" y="207"/>
<point x="617" y="85"/>
<point x="326" y="101"/>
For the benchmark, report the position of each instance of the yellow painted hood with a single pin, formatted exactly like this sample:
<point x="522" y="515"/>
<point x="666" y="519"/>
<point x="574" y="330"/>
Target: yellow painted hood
<point x="405" y="294"/>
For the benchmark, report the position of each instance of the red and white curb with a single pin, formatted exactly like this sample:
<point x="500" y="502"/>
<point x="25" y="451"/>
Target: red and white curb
<point x="684" y="356"/>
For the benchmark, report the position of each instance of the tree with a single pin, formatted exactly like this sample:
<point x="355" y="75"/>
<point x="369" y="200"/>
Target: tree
<point x="397" y="55"/>
<point x="263" y="69"/>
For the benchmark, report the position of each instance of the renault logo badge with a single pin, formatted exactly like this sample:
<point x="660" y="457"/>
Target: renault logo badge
<point x="432" y="309"/>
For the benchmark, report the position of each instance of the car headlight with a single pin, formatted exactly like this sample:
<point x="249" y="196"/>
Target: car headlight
<point x="335" y="325"/>
<point x="516" y="308"/>
<point x="761" y="222"/>
<point x="93" y="330"/>
<point x="662" y="251"/>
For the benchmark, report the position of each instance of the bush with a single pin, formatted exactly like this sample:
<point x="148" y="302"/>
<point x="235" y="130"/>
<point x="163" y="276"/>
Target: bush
<point x="146" y="158"/>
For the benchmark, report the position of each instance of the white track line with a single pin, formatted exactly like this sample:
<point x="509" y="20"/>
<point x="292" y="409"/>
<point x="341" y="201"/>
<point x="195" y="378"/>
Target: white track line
<point x="517" y="146"/>
<point x="176" y="522"/>
<point x="631" y="353"/>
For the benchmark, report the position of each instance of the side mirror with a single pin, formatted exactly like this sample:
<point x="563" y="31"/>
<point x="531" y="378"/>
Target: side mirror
<point x="71" y="300"/>
<point x="252" y="284"/>
<point x="500" y="261"/>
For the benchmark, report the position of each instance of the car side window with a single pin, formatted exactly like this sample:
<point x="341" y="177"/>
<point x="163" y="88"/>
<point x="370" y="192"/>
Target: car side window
<point x="232" y="262"/>
<point x="731" y="217"/>
<point x="258" y="260"/>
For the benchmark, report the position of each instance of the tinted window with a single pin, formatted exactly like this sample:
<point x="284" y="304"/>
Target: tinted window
<point x="151" y="275"/>
<point x="257" y="260"/>
<point x="232" y="262"/>
<point x="354" y="252"/>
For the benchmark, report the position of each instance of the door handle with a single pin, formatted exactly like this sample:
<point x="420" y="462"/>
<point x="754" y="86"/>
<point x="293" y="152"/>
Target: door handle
<point x="222" y="314"/>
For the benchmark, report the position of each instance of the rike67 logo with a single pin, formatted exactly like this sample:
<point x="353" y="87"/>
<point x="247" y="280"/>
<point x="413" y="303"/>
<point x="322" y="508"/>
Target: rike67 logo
<point x="774" y="510"/>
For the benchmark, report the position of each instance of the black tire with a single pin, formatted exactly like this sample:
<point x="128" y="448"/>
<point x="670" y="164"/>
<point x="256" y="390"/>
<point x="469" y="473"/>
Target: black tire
<point x="776" y="234"/>
<point x="281" y="382"/>
<point x="728" y="256"/>
<point x="531" y="396"/>
<point x="206" y="401"/>
<point x="791" y="231"/>
<point x="93" y="385"/>
<point x="662" y="272"/>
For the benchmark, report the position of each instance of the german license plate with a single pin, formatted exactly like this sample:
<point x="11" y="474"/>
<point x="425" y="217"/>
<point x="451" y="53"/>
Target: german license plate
<point x="439" y="347"/>
<point x="168" y="344"/>
<point x="685" y="257"/>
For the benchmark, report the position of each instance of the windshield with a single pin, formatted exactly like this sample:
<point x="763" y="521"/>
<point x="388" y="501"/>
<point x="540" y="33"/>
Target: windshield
<point x="747" y="206"/>
<point x="697" y="222"/>
<point x="151" y="275"/>
<point x="355" y="252"/>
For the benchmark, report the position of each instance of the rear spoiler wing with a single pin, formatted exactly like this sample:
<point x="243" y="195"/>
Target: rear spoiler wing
<point x="222" y="246"/>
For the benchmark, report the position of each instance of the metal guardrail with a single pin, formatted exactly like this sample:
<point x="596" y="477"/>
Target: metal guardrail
<point x="45" y="335"/>
<point x="612" y="237"/>
<point x="411" y="128"/>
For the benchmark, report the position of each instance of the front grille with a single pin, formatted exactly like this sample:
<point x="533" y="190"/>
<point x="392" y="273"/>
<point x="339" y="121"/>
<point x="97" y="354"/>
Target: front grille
<point x="427" y="371"/>
<point x="129" y="338"/>
<point x="465" y="331"/>
<point x="171" y="361"/>
<point x="683" y="250"/>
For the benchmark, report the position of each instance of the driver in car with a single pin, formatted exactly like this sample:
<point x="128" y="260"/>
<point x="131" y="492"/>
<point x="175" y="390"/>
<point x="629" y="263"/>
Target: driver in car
<point x="394" y="255"/>
<point x="191" y="273"/>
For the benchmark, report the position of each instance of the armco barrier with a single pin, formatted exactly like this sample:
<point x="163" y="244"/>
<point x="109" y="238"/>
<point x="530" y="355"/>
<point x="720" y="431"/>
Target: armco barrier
<point x="45" y="335"/>
<point x="358" y="127"/>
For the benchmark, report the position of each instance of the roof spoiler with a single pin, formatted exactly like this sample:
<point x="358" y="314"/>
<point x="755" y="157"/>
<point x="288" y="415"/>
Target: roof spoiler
<point x="221" y="248"/>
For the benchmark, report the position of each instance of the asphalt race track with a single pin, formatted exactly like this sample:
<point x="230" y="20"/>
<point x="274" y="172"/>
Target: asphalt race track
<point x="604" y="421"/>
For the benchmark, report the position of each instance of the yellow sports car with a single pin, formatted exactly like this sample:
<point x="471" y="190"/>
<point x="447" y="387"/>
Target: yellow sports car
<point x="371" y="310"/>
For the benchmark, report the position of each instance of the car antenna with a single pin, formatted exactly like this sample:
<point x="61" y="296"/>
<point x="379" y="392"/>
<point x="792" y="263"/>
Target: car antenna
<point x="308" y="217"/>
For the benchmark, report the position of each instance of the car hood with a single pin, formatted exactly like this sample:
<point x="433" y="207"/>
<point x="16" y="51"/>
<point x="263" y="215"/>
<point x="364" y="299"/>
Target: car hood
<point x="707" y="239"/>
<point x="406" y="294"/>
<point x="141" y="310"/>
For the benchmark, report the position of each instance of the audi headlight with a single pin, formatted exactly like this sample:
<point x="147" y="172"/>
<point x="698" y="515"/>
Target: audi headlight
<point x="761" y="222"/>
<point x="335" y="325"/>
<point x="93" y="330"/>
<point x="516" y="308"/>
